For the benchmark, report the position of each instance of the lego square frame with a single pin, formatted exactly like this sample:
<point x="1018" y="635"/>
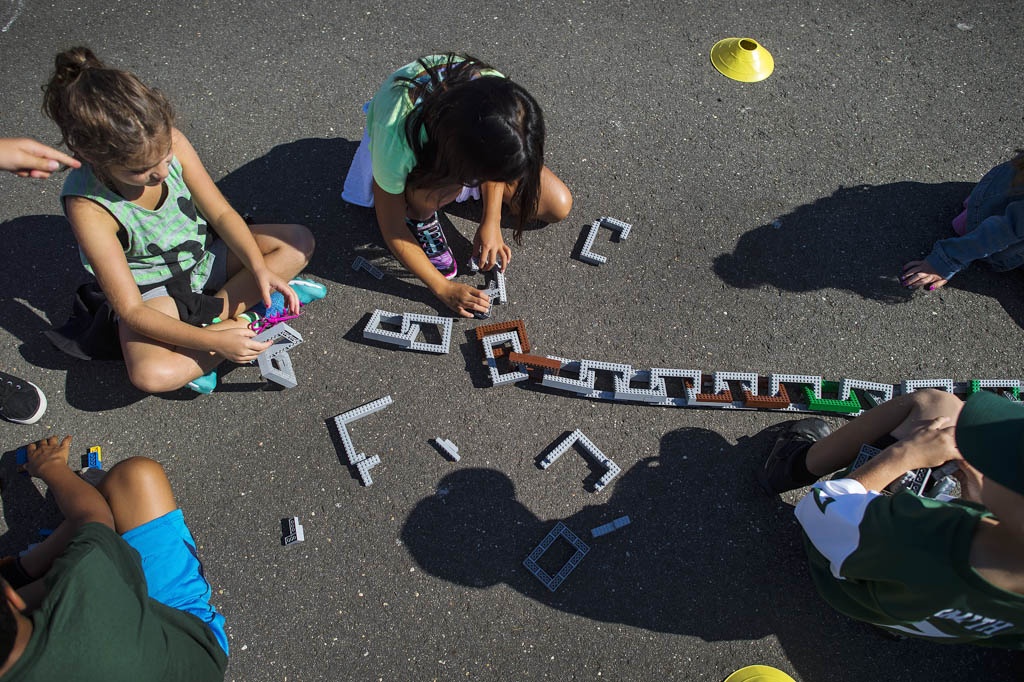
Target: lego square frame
<point x="553" y="582"/>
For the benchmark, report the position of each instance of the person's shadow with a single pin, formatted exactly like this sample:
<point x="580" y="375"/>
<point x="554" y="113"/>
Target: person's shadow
<point x="858" y="239"/>
<point x="707" y="554"/>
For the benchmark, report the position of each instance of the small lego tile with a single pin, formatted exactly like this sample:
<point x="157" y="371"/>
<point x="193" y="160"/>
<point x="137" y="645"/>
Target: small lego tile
<point x="449" y="448"/>
<point x="284" y="337"/>
<point x="911" y="385"/>
<point x="278" y="368"/>
<point x="553" y="582"/>
<point x="362" y="263"/>
<point x="295" y="532"/>
<point x="610" y="526"/>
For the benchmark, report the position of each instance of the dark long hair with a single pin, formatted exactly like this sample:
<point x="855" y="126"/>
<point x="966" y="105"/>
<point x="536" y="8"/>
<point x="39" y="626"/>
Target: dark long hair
<point x="478" y="129"/>
<point x="106" y="116"/>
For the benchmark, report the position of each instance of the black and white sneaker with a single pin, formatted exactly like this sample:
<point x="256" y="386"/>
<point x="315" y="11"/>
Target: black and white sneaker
<point x="21" y="401"/>
<point x="779" y="473"/>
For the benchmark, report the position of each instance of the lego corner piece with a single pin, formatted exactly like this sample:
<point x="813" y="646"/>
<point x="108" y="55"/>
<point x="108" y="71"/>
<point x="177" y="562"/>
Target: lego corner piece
<point x="293" y="531"/>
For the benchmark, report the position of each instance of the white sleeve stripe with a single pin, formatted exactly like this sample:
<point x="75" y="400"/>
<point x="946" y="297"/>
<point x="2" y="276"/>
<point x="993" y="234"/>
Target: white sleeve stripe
<point x="831" y="514"/>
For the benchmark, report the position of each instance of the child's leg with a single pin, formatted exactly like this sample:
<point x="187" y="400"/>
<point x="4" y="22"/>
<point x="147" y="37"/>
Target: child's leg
<point x="138" y="492"/>
<point x="555" y="198"/>
<point x="899" y="417"/>
<point x="156" y="367"/>
<point x="286" y="251"/>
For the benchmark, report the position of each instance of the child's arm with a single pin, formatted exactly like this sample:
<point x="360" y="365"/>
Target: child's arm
<point x="96" y="232"/>
<point x="78" y="501"/>
<point x="488" y="246"/>
<point x="226" y="222"/>
<point x="949" y="256"/>
<point x="391" y="209"/>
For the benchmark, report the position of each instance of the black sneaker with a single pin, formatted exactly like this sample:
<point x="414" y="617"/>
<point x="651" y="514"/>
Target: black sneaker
<point x="20" y="401"/>
<point x="791" y="446"/>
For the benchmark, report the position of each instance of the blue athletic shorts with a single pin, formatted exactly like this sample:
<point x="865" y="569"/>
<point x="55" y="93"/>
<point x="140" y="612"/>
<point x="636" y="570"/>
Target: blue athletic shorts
<point x="173" y="571"/>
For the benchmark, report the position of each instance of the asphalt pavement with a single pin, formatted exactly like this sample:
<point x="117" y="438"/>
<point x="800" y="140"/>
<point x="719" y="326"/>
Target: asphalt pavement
<point x="770" y="222"/>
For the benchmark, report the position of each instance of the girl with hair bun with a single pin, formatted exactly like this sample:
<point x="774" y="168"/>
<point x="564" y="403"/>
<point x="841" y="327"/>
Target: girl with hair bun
<point x="447" y="128"/>
<point x="177" y="265"/>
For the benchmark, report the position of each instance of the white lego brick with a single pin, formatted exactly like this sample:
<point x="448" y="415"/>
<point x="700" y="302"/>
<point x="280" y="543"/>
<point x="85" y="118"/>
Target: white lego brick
<point x="449" y="447"/>
<point x="364" y="466"/>
<point x="278" y="368"/>
<point x="694" y="375"/>
<point x="284" y="337"/>
<point x="364" y="264"/>
<point x="444" y="324"/>
<point x="502" y="294"/>
<point x="586" y="252"/>
<point x="721" y="381"/>
<point x="1007" y="384"/>
<point x="616" y="225"/>
<point x="611" y="468"/>
<point x="872" y="387"/>
<point x="775" y="379"/>
<point x="654" y="393"/>
<point x="911" y="385"/>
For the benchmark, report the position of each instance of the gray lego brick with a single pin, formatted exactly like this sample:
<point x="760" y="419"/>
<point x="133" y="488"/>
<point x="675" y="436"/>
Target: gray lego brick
<point x="295" y="532"/>
<point x="775" y="379"/>
<point x="748" y="379"/>
<point x="403" y="338"/>
<point x="616" y="225"/>
<point x="278" y="368"/>
<point x="586" y="252"/>
<point x="654" y="393"/>
<point x="489" y="342"/>
<point x="866" y="453"/>
<point x="449" y="447"/>
<point x="444" y="325"/>
<point x="284" y="337"/>
<point x="911" y="385"/>
<point x="872" y="387"/>
<point x="362" y="263"/>
<point x="611" y="468"/>
<point x="364" y="466"/>
<point x="363" y="410"/>
<point x="549" y="581"/>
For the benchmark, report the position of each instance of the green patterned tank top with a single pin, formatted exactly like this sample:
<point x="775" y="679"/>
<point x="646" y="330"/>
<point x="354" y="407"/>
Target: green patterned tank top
<point x="162" y="244"/>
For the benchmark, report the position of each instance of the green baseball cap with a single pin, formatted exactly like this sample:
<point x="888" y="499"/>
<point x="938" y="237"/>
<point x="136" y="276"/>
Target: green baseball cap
<point x="990" y="435"/>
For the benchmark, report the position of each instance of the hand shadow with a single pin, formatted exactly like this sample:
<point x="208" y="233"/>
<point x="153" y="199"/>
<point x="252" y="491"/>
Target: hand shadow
<point x="707" y="555"/>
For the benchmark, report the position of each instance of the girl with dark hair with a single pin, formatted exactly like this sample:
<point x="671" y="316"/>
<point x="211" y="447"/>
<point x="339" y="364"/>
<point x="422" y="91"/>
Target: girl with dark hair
<point x="448" y="128"/>
<point x="177" y="265"/>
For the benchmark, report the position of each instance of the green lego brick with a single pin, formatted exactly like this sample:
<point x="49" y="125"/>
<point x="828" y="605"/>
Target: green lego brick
<point x="831" y="405"/>
<point x="976" y="386"/>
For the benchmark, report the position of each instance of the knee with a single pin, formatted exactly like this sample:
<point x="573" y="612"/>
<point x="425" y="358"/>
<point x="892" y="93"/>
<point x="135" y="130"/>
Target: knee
<point x="557" y="205"/>
<point x="302" y="240"/>
<point x="156" y="378"/>
<point x="135" y="473"/>
<point x="934" y="399"/>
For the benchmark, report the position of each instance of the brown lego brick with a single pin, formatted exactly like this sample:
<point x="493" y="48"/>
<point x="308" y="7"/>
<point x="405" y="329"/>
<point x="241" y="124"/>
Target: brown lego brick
<point x="535" y="361"/>
<point x="723" y="397"/>
<point x="778" y="401"/>
<point x="512" y="325"/>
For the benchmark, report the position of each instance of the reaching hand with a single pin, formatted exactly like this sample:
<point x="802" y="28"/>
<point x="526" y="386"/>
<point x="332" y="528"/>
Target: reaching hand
<point x="463" y="298"/>
<point x="25" y="157"/>
<point x="918" y="273"/>
<point x="236" y="344"/>
<point x="268" y="281"/>
<point x="45" y="454"/>
<point x="489" y="248"/>
<point x="931" y="445"/>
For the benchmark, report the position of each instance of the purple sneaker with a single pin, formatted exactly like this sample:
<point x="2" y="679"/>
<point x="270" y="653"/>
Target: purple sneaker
<point x="432" y="241"/>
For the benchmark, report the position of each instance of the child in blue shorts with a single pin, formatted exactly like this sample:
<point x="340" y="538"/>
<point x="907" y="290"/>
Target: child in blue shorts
<point x="117" y="591"/>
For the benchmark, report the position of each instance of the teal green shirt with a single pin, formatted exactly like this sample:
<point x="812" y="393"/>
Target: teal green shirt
<point x="159" y="244"/>
<point x="902" y="562"/>
<point x="391" y="155"/>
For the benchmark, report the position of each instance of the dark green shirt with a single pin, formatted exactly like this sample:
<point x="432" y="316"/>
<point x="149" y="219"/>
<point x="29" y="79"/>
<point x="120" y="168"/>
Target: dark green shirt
<point x="902" y="562"/>
<point x="98" y="623"/>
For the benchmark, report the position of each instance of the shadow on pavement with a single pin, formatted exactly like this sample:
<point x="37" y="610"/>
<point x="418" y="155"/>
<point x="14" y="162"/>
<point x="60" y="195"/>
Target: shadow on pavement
<point x="858" y="239"/>
<point x="707" y="555"/>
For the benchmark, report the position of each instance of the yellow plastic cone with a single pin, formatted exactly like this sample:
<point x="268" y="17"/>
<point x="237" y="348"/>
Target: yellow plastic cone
<point x="742" y="59"/>
<point x="758" y="673"/>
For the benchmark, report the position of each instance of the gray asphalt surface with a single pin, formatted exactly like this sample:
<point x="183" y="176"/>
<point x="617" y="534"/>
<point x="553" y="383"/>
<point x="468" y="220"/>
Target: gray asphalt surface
<point x="770" y="221"/>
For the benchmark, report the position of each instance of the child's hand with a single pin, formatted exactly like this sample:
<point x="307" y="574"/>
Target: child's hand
<point x="489" y="247"/>
<point x="932" y="445"/>
<point x="268" y="280"/>
<point x="917" y="273"/>
<point x="46" y="454"/>
<point x="25" y="157"/>
<point x="236" y="344"/>
<point x="463" y="298"/>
